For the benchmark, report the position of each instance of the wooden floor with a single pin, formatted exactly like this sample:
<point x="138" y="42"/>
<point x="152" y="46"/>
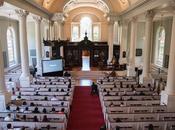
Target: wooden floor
<point x="80" y="69"/>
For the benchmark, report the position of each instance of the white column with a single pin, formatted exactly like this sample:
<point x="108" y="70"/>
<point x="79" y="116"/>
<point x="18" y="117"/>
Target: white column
<point x="4" y="95"/>
<point x="115" y="33"/>
<point x="38" y="44"/>
<point x="147" y="44"/>
<point x="168" y="96"/>
<point x="124" y="25"/>
<point x="110" y="40"/>
<point x="25" y="76"/>
<point x="131" y="67"/>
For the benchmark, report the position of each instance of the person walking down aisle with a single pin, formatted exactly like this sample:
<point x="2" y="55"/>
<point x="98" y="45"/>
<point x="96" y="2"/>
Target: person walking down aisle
<point x="94" y="89"/>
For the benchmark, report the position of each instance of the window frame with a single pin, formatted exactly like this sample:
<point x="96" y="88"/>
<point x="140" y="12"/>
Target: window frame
<point x="11" y="41"/>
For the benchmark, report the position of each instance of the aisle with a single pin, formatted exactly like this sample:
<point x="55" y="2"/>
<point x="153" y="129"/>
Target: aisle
<point x="86" y="112"/>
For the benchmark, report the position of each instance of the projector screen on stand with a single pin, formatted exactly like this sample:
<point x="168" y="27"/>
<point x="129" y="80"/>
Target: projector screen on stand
<point x="52" y="67"/>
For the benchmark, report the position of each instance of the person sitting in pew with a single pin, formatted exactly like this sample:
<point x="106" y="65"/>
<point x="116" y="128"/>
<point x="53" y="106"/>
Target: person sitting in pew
<point x="45" y="98"/>
<point x="53" y="110"/>
<point x="67" y="94"/>
<point x="32" y="104"/>
<point x="8" y="109"/>
<point x="104" y="90"/>
<point x="130" y="99"/>
<point x="8" y="118"/>
<point x="37" y="93"/>
<point x="24" y="118"/>
<point x="35" y="119"/>
<point x="142" y="93"/>
<point x="62" y="90"/>
<point x="45" y="119"/>
<point x="9" y="127"/>
<point x="108" y="94"/>
<point x="118" y="120"/>
<point x="117" y="128"/>
<point x="49" y="89"/>
<point x="122" y="104"/>
<point x="24" y="104"/>
<point x="17" y="118"/>
<point x="27" y="110"/>
<point x="54" y="98"/>
<point x="18" y="98"/>
<point x="150" y="127"/>
<point x="132" y="87"/>
<point x="44" y="110"/>
<point x="36" y="110"/>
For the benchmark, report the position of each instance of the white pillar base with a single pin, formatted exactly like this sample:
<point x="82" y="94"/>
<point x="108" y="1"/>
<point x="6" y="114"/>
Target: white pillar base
<point x="39" y="71"/>
<point x="131" y="71"/>
<point x="25" y="81"/>
<point x="168" y="100"/>
<point x="5" y="98"/>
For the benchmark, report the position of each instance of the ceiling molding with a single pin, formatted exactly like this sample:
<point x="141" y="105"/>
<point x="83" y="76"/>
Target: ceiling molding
<point x="28" y="6"/>
<point x="143" y="7"/>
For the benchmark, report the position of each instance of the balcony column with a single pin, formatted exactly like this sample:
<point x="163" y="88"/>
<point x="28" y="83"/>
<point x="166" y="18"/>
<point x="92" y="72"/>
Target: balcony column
<point x="25" y="77"/>
<point x="38" y="44"/>
<point x="168" y="96"/>
<point x="132" y="52"/>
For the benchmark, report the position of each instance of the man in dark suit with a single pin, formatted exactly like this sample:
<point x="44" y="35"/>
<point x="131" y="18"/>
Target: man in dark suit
<point x="94" y="89"/>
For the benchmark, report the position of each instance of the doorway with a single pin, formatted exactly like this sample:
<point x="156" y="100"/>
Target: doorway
<point x="85" y="60"/>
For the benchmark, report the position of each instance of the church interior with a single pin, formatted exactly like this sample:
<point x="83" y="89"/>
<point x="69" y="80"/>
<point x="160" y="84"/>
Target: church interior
<point x="87" y="65"/>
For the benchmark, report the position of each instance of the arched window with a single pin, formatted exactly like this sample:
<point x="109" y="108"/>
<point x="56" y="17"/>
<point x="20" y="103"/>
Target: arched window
<point x="86" y="26"/>
<point x="160" y="44"/>
<point x="11" y="46"/>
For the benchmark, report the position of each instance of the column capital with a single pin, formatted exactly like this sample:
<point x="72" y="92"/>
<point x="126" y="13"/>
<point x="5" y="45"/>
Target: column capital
<point x="150" y="14"/>
<point x="37" y="19"/>
<point x="59" y="17"/>
<point x="134" y="19"/>
<point x="124" y="22"/>
<point x="22" y="13"/>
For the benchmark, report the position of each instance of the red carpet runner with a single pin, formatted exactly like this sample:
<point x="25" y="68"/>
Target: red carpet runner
<point x="86" y="112"/>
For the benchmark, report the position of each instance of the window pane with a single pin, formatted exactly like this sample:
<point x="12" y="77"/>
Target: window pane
<point x="10" y="46"/>
<point x="75" y="33"/>
<point x="86" y="27"/>
<point x="96" y="35"/>
<point x="161" y="45"/>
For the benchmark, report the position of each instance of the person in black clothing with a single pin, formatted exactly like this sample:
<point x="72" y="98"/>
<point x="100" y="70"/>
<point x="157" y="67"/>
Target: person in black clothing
<point x="150" y="127"/>
<point x="94" y="89"/>
<point x="45" y="119"/>
<point x="44" y="110"/>
<point x="36" y="110"/>
<point x="117" y="128"/>
<point x="35" y="119"/>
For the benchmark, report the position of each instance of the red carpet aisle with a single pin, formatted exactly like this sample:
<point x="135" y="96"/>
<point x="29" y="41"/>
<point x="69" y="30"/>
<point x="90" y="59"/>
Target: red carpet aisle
<point x="86" y="112"/>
